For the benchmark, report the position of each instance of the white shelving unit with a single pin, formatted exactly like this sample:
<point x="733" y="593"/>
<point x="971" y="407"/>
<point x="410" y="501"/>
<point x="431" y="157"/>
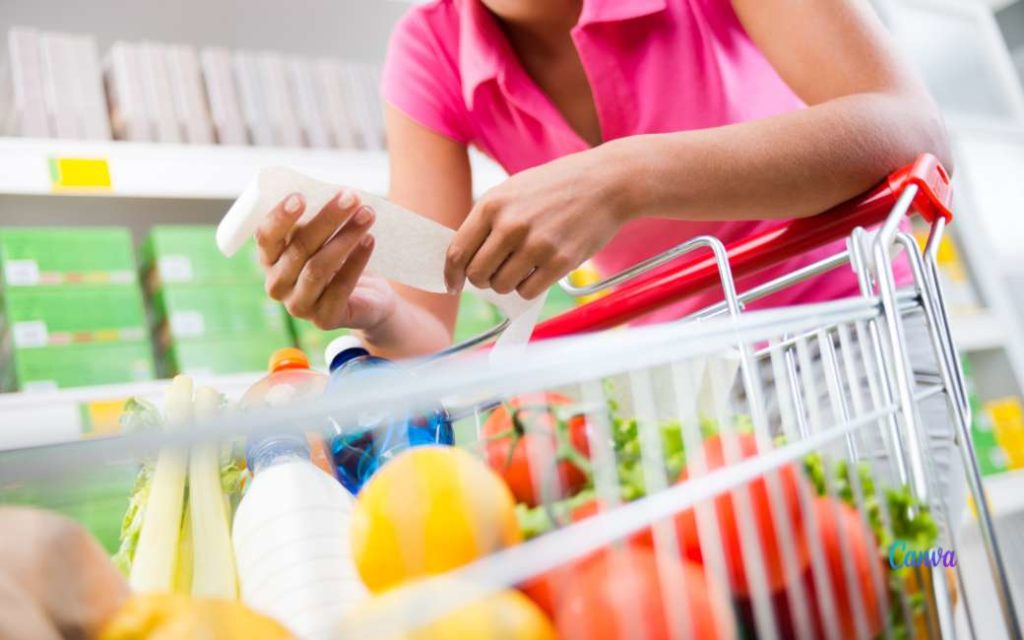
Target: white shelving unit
<point x="57" y="416"/>
<point x="185" y="172"/>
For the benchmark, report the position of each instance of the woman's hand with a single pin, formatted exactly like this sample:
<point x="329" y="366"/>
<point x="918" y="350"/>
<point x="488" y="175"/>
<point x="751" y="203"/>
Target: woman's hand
<point x="540" y="224"/>
<point x="315" y="267"/>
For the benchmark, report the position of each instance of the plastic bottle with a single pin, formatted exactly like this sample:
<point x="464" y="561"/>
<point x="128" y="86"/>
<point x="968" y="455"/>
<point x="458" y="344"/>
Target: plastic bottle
<point x="289" y="380"/>
<point x="358" y="453"/>
<point x="291" y="540"/>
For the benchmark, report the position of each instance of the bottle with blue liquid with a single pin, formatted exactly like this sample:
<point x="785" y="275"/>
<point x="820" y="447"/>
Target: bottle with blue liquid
<point x="359" y="452"/>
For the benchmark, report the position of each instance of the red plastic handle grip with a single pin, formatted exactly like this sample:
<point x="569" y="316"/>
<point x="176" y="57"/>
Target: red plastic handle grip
<point x="696" y="273"/>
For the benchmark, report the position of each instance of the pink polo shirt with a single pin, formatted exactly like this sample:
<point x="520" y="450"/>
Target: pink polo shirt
<point x="654" y="66"/>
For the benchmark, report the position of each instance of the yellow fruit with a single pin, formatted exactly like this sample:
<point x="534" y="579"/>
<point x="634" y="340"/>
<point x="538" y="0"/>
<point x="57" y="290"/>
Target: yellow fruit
<point x="429" y="510"/>
<point x="506" y="615"/>
<point x="167" y="616"/>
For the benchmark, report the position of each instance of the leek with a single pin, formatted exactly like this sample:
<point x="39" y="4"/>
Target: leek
<point x="155" y="562"/>
<point x="213" y="565"/>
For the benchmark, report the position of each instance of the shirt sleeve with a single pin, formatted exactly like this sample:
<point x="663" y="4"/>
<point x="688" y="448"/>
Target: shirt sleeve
<point x="420" y="76"/>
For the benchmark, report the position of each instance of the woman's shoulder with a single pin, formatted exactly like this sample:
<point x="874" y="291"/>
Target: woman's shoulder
<point x="421" y="75"/>
<point x="436" y="20"/>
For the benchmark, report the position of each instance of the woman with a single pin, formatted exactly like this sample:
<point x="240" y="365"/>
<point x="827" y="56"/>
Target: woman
<point x="628" y="126"/>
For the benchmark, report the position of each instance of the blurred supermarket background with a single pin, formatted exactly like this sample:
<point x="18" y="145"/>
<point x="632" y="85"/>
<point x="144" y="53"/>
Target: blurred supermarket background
<point x="104" y="284"/>
<point x="129" y="127"/>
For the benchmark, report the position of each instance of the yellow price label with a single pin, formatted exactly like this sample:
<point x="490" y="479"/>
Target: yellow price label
<point x="102" y="417"/>
<point x="79" y="173"/>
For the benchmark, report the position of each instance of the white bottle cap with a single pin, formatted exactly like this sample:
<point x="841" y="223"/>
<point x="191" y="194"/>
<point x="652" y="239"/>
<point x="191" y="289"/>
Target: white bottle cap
<point x="340" y="344"/>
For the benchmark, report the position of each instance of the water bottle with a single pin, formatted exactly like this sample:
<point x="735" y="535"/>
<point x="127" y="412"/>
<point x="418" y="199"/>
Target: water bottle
<point x="291" y="540"/>
<point x="290" y="380"/>
<point x="359" y="452"/>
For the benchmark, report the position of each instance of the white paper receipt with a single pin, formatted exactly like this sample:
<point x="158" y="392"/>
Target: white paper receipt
<point x="408" y="248"/>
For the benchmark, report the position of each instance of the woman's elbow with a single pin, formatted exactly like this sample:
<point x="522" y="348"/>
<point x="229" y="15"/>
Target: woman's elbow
<point x="933" y="137"/>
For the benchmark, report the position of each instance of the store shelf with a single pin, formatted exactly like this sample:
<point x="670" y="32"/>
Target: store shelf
<point x="37" y="418"/>
<point x="978" y="331"/>
<point x="167" y="171"/>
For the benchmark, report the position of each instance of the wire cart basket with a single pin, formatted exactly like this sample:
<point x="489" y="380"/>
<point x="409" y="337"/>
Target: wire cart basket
<point x="784" y="457"/>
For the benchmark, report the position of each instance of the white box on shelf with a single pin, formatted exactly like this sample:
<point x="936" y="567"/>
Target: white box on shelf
<point x="130" y="118"/>
<point x="187" y="88"/>
<point x="58" y="82"/>
<point x="225" y="103"/>
<point x="354" y="93"/>
<point x="327" y="77"/>
<point x="250" y="89"/>
<point x="368" y="78"/>
<point x="90" y="104"/>
<point x="26" y="84"/>
<point x="157" y="89"/>
<point x="309" y="109"/>
<point x="279" y="105"/>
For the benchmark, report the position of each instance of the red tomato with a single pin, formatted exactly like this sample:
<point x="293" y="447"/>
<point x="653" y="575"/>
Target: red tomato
<point x="547" y="589"/>
<point x="522" y="447"/>
<point x="728" y="520"/>
<point x="619" y="595"/>
<point x="643" y="538"/>
<point x="858" y="544"/>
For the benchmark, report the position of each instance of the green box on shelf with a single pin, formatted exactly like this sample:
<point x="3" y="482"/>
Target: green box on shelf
<point x="80" y="365"/>
<point x="243" y="353"/>
<point x="211" y="311"/>
<point x="313" y="341"/>
<point x="51" y="316"/>
<point x="188" y="254"/>
<point x="37" y="256"/>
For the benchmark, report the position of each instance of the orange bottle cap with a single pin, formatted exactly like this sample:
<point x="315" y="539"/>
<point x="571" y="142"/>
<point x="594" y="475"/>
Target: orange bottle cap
<point x="288" y="358"/>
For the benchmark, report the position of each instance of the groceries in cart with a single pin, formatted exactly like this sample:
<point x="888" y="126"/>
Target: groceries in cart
<point x="290" y="380"/>
<point x="291" y="539"/>
<point x="258" y="524"/>
<point x="360" y="452"/>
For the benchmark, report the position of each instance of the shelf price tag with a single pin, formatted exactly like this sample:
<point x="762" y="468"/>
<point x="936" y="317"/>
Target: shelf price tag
<point x="78" y="174"/>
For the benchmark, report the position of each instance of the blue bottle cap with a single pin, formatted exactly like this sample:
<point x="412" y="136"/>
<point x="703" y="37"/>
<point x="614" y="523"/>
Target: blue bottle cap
<point x="342" y="349"/>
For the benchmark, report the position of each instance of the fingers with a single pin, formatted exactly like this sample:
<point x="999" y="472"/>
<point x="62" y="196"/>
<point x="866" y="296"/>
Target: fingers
<point x="323" y="265"/>
<point x="273" y="231"/>
<point x="540" y="281"/>
<point x="514" y="271"/>
<point x="333" y="303"/>
<point x="306" y="239"/>
<point x="464" y="246"/>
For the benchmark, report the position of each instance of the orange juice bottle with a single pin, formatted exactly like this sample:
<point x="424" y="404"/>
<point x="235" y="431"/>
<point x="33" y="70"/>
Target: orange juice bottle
<point x="290" y="380"/>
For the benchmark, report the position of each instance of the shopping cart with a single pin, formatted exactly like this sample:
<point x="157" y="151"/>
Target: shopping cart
<point x="826" y="392"/>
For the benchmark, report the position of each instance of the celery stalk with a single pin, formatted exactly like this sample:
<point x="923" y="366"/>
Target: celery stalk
<point x="183" y="573"/>
<point x="213" y="567"/>
<point x="155" y="562"/>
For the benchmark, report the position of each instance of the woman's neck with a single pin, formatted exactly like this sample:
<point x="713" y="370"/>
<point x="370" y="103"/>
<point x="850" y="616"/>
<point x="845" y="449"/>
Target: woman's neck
<point x="545" y="33"/>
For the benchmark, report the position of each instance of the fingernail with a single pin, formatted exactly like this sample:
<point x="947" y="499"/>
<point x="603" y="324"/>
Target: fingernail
<point x="366" y="241"/>
<point x="293" y="203"/>
<point x="364" y="216"/>
<point x="346" y="199"/>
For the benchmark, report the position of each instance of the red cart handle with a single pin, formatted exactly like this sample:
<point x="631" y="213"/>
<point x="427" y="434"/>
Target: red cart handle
<point x="692" y="274"/>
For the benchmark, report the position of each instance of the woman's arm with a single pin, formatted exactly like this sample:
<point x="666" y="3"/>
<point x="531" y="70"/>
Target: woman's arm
<point x="430" y="175"/>
<point x="867" y="115"/>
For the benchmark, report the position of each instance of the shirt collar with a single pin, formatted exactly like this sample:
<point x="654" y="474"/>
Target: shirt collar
<point x="483" y="49"/>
